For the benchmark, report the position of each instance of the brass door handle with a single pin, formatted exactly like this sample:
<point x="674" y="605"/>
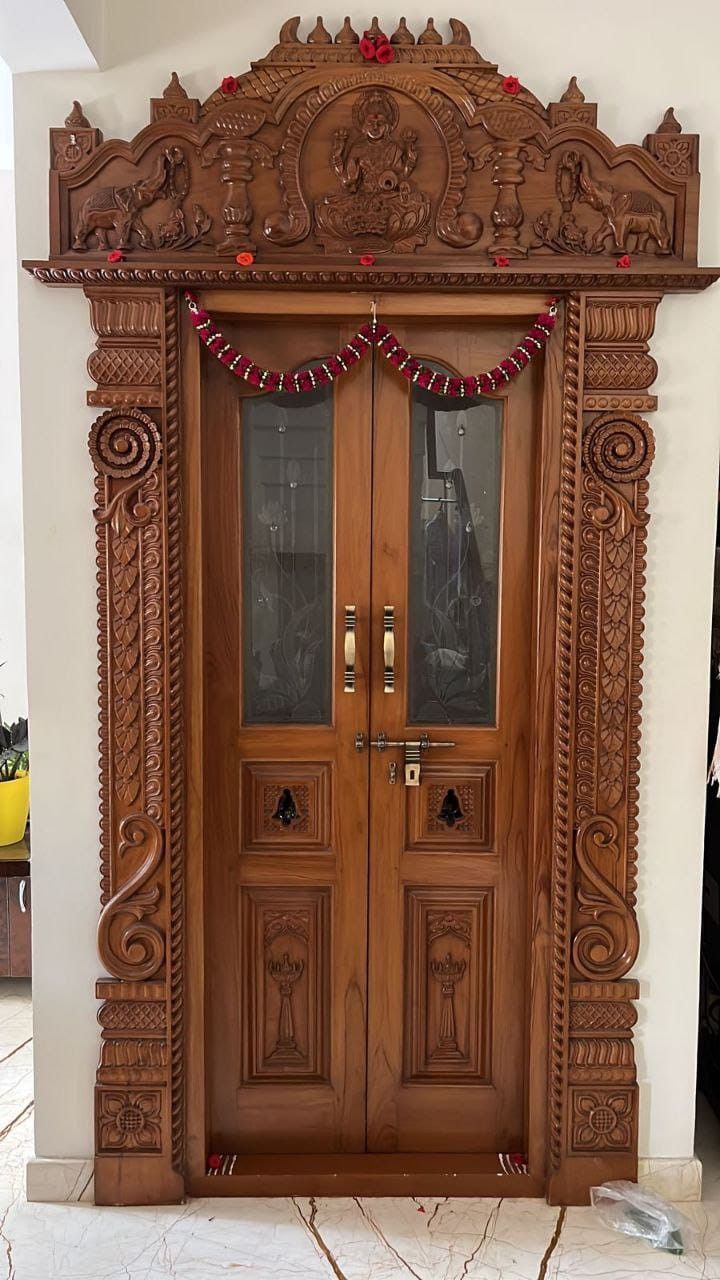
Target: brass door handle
<point x="350" y="624"/>
<point x="389" y="648"/>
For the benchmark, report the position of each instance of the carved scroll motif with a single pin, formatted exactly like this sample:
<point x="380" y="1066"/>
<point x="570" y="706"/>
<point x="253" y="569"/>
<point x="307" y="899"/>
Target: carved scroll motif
<point x="130" y="945"/>
<point x="607" y="948"/>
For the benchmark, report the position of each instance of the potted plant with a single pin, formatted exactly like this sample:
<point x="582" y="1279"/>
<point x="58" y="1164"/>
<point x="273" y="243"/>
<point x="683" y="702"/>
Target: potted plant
<point x="14" y="781"/>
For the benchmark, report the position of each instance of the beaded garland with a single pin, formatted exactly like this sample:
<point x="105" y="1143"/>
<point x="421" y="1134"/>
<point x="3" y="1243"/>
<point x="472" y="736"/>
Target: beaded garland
<point x="372" y="333"/>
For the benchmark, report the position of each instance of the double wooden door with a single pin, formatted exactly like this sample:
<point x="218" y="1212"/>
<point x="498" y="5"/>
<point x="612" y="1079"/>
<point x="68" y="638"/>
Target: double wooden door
<point x="367" y="657"/>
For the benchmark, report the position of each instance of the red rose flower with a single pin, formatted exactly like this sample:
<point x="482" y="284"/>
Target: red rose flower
<point x="367" y="260"/>
<point x="385" y="52"/>
<point x="624" y="261"/>
<point x="511" y="84"/>
<point x="367" y="48"/>
<point x="502" y="261"/>
<point x="115" y="256"/>
<point x="229" y="85"/>
<point x="245" y="259"/>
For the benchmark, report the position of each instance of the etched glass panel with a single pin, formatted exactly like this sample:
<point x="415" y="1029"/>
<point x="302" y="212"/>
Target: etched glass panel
<point x="455" y="493"/>
<point x="287" y="516"/>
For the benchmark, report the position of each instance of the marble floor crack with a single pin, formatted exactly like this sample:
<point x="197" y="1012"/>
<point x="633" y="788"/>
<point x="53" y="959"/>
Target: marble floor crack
<point x="17" y="1049"/>
<point x="20" y="1116"/>
<point x="542" y="1273"/>
<point x="381" y="1236"/>
<point x="486" y="1235"/>
<point x="8" y="1245"/>
<point x="314" y="1232"/>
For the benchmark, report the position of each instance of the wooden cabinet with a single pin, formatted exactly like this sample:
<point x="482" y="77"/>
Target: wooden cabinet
<point x="15" y="950"/>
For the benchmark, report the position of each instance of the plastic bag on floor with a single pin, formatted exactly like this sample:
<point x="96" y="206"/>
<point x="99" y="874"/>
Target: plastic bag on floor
<point x="636" y="1211"/>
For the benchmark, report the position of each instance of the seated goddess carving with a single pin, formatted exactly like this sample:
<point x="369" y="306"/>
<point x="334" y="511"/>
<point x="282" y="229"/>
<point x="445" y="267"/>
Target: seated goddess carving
<point x="378" y="207"/>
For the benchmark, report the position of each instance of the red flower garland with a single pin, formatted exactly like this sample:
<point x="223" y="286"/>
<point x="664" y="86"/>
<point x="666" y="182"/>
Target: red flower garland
<point x="372" y="333"/>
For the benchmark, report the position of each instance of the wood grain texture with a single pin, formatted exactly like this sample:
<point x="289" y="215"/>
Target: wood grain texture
<point x="316" y="152"/>
<point x="315" y="158"/>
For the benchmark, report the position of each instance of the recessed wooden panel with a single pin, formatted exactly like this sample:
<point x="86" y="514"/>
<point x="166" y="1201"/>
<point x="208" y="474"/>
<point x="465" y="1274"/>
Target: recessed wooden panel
<point x="286" y="962"/>
<point x="453" y="808"/>
<point x="286" y="806"/>
<point x="448" y="984"/>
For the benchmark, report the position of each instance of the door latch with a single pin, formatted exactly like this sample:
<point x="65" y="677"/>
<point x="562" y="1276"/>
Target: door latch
<point x="413" y="748"/>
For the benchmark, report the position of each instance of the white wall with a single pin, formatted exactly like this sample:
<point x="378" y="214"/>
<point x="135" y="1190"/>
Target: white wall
<point x="634" y="61"/>
<point x="13" y="676"/>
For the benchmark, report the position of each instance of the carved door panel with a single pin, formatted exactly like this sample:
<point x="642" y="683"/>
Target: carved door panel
<point x="453" y="521"/>
<point x="286" y="518"/>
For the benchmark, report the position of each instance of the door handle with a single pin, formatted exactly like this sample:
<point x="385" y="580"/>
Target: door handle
<point x="22" y="891"/>
<point x="350" y="624"/>
<point x="389" y="648"/>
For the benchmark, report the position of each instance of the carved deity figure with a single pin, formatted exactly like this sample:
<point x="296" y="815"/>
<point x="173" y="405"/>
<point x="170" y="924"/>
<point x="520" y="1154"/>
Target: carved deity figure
<point x="378" y="207"/>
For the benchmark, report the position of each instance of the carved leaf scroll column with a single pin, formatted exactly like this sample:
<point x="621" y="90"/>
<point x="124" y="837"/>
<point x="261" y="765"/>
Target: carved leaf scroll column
<point x="139" y="1093"/>
<point x="594" y="1110"/>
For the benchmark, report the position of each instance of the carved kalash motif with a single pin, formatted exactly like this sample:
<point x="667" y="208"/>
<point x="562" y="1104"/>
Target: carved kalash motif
<point x="383" y="162"/>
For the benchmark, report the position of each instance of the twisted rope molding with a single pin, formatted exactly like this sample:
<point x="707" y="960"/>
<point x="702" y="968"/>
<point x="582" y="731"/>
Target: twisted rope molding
<point x="562" y="824"/>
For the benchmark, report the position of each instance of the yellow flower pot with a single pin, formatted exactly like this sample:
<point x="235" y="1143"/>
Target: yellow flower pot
<point x="14" y="808"/>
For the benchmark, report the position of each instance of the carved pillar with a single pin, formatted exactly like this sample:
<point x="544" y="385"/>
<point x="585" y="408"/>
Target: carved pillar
<point x="606" y="460"/>
<point x="135" y="449"/>
<point x="516" y="139"/>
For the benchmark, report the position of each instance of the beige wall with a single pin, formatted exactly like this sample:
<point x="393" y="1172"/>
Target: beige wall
<point x="635" y="60"/>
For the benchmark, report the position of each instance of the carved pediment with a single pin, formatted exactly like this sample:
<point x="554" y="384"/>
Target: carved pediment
<point x="422" y="152"/>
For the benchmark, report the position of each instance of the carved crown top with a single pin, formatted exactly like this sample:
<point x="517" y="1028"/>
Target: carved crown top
<point x="407" y="145"/>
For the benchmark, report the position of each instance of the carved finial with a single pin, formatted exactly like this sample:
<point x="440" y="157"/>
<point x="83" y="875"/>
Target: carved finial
<point x="346" y="35"/>
<point x="402" y="35"/>
<point x="460" y="33"/>
<point x="77" y="119"/>
<point x="669" y="124"/>
<point x="430" y="35"/>
<point x="573" y="93"/>
<point x="374" y="29"/>
<point x="289" y="31"/>
<point x="174" y="89"/>
<point x="319" y="35"/>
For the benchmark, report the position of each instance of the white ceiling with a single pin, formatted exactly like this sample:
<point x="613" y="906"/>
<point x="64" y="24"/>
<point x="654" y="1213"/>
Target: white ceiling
<point x="50" y="35"/>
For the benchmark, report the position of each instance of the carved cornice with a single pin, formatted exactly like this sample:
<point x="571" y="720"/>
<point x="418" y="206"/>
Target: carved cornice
<point x="681" y="280"/>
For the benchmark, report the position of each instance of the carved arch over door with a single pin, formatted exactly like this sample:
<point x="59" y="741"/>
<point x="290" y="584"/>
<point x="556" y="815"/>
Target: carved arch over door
<point x="442" y="169"/>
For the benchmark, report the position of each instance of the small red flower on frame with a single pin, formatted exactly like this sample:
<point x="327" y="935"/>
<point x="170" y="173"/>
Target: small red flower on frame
<point x="367" y="260"/>
<point x="385" y="53"/>
<point x="115" y="256"/>
<point x="245" y="259"/>
<point x="511" y="84"/>
<point x="502" y="261"/>
<point x="229" y="85"/>
<point x="367" y="48"/>
<point x="624" y="262"/>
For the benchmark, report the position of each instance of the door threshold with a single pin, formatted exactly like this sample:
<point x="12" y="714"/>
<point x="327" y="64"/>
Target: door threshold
<point x="396" y="1174"/>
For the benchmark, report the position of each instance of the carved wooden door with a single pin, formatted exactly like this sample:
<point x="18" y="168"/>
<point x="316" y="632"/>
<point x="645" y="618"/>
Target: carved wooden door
<point x="286" y="512"/>
<point x="453" y="521"/>
<point x="367" y="582"/>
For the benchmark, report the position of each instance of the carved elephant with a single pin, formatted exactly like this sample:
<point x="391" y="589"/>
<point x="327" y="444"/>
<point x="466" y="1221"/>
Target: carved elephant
<point x="118" y="208"/>
<point x="624" y="213"/>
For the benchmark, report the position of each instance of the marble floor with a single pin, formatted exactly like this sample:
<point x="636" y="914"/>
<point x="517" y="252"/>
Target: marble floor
<point x="304" y="1239"/>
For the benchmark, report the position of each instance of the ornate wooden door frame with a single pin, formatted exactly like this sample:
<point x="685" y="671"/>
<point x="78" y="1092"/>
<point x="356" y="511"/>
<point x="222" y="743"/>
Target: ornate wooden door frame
<point x="523" y="198"/>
